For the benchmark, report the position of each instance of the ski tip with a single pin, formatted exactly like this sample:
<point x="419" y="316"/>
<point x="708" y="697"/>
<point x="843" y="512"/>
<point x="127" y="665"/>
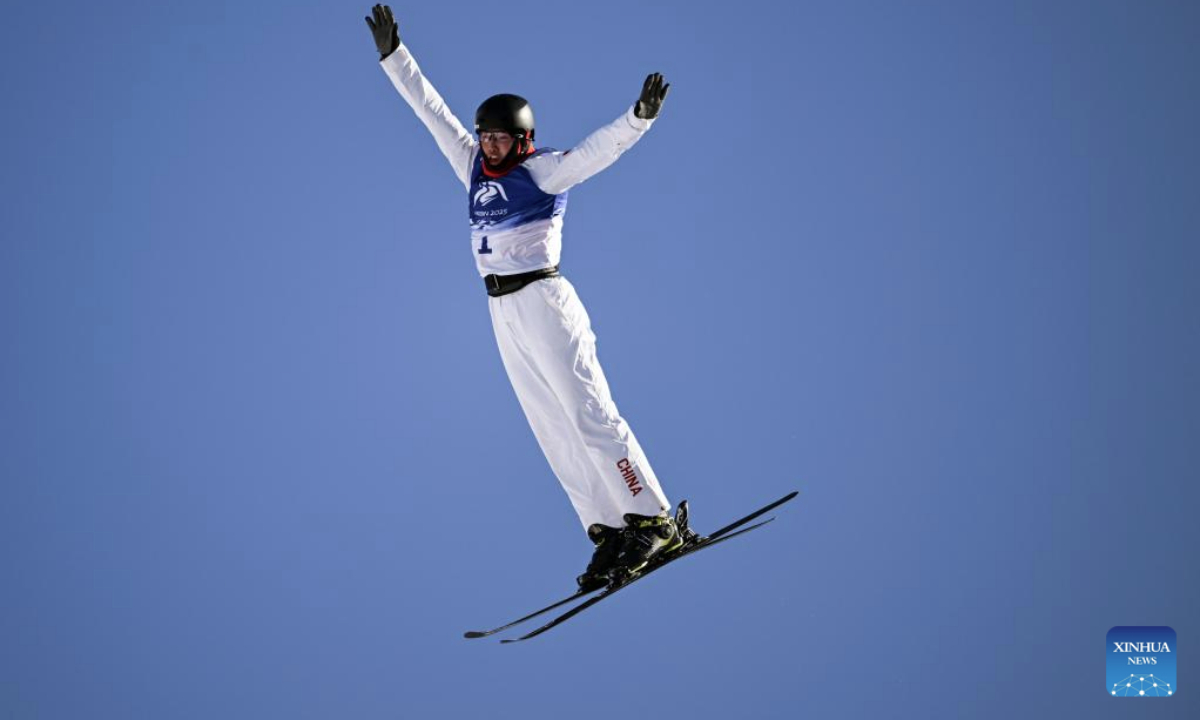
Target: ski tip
<point x="470" y="634"/>
<point x="791" y="495"/>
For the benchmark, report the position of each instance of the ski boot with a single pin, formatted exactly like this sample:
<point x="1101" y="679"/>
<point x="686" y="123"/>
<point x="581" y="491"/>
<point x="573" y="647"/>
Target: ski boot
<point x="644" y="538"/>
<point x="608" y="543"/>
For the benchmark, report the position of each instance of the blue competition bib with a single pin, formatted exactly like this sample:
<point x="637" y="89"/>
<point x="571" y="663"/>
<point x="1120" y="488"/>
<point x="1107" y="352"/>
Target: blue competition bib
<point x="509" y="201"/>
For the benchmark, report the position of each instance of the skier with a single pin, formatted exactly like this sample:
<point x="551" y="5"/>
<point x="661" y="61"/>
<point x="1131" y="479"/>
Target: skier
<point x="518" y="196"/>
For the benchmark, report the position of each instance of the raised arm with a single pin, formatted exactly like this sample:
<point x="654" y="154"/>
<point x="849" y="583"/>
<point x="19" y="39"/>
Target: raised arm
<point x="557" y="172"/>
<point x="452" y="138"/>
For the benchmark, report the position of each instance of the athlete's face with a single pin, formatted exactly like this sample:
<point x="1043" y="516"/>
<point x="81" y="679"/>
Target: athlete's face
<point x="495" y="145"/>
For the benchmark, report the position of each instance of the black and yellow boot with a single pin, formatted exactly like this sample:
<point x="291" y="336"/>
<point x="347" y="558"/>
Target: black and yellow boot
<point x="644" y="538"/>
<point x="608" y="543"/>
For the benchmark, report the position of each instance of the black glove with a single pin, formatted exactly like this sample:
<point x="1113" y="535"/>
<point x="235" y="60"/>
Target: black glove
<point x="653" y="94"/>
<point x="387" y="36"/>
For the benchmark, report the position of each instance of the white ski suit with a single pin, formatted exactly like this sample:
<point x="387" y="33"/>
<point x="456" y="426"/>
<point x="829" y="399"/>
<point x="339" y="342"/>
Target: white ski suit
<point x="543" y="331"/>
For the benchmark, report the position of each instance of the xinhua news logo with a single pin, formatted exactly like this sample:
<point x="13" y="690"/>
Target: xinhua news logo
<point x="1140" y="662"/>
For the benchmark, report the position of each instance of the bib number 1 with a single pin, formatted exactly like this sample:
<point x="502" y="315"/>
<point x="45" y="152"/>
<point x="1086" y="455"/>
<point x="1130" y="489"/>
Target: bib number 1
<point x="483" y="248"/>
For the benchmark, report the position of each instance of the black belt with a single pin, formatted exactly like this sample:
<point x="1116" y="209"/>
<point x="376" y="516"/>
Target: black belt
<point x="498" y="285"/>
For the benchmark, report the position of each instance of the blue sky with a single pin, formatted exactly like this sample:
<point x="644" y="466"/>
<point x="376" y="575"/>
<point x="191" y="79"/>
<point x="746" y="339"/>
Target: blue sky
<point x="932" y="264"/>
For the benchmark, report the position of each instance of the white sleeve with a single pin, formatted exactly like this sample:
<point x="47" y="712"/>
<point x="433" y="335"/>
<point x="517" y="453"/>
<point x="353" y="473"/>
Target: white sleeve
<point x="556" y="172"/>
<point x="452" y="138"/>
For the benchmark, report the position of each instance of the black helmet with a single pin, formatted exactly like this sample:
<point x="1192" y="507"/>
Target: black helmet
<point x="510" y="113"/>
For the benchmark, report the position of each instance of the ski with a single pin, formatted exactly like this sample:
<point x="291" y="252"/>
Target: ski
<point x="754" y="515"/>
<point x="612" y="590"/>
<point x="696" y="543"/>
<point x="485" y="633"/>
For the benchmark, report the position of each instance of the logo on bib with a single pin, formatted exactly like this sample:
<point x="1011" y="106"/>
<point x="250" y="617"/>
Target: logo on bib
<point x="489" y="191"/>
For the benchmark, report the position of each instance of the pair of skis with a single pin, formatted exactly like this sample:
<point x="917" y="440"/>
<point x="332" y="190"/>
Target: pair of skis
<point x="693" y="543"/>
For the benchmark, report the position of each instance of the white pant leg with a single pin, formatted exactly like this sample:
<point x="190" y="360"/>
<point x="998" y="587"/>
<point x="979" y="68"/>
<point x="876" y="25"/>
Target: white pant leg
<point x="551" y="425"/>
<point x="554" y="327"/>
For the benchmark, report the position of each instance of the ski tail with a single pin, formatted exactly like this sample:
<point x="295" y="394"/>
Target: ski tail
<point x="471" y="634"/>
